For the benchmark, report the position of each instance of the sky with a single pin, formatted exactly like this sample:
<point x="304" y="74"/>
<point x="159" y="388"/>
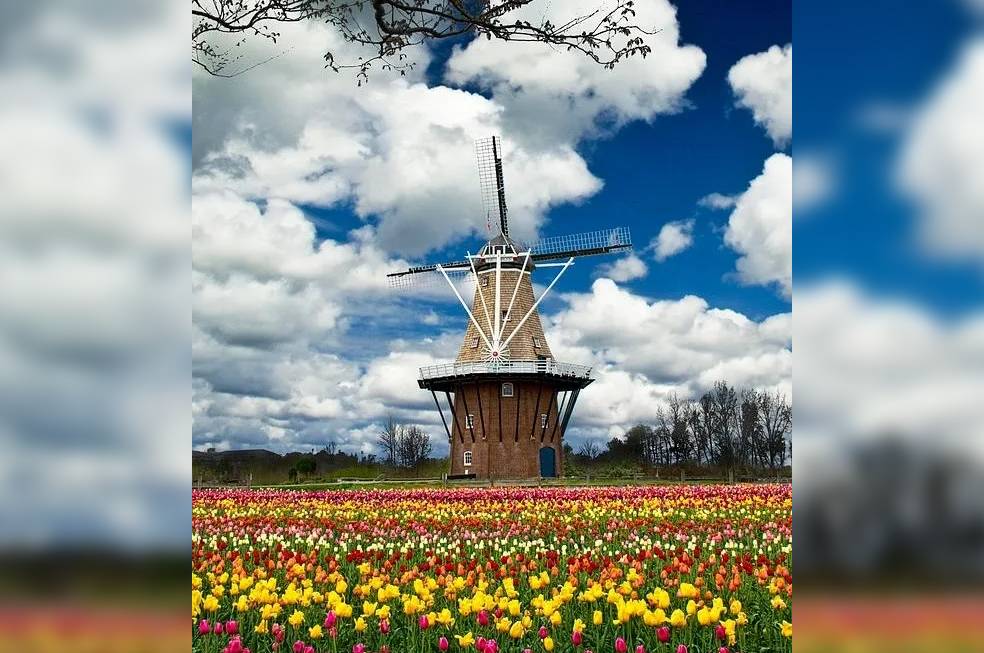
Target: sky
<point x="300" y="208"/>
<point x="308" y="189"/>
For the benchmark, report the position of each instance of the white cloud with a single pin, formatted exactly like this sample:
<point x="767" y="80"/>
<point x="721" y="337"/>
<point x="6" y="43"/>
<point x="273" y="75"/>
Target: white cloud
<point x="763" y="84"/>
<point x="760" y="226"/>
<point x="94" y="281"/>
<point x="625" y="268"/>
<point x="868" y="367"/>
<point x="677" y="345"/>
<point x="942" y="161"/>
<point x="717" y="201"/>
<point x="551" y="94"/>
<point x="814" y="181"/>
<point x="673" y="238"/>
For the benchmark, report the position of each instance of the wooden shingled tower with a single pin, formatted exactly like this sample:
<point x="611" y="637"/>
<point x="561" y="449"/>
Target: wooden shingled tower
<point x="509" y="401"/>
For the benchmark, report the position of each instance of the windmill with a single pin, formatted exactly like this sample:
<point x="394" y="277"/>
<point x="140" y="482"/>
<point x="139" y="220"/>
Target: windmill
<point x="510" y="401"/>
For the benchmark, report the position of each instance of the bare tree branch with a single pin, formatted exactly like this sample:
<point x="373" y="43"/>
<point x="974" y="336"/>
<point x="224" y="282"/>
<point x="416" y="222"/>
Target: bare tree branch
<point x="606" y="36"/>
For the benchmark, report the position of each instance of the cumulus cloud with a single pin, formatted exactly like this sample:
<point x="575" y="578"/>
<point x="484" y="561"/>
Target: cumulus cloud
<point x="760" y="227"/>
<point x="942" y="160"/>
<point x="533" y="81"/>
<point x="623" y="269"/>
<point x="869" y="367"/>
<point x="94" y="329"/>
<point x="763" y="84"/>
<point x="642" y="350"/>
<point x="673" y="238"/>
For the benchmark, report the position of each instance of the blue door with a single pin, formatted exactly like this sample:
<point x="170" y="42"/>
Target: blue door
<point x="548" y="462"/>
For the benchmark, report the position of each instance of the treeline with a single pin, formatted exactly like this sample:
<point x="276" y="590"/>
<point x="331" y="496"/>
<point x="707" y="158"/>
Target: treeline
<point x="726" y="428"/>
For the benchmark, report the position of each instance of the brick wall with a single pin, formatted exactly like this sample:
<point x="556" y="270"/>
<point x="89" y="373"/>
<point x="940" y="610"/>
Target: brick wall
<point x="507" y="432"/>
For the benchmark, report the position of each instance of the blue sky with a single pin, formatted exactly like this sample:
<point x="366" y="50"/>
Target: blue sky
<point x="865" y="230"/>
<point x="299" y="342"/>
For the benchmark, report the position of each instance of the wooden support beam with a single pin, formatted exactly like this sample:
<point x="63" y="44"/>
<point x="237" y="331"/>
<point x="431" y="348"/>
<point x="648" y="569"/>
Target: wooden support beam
<point x="454" y="417"/>
<point x="570" y="409"/>
<point x="464" y="400"/>
<point x="550" y="402"/>
<point x="443" y="421"/>
<point x="536" y="411"/>
<point x="560" y="411"/>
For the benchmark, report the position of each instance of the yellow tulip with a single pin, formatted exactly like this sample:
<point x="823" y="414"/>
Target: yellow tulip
<point x="678" y="619"/>
<point x="548" y="643"/>
<point x="597" y="618"/>
<point x="314" y="632"/>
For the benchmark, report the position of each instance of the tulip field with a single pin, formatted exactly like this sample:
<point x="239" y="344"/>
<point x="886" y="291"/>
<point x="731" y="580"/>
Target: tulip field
<point x="677" y="568"/>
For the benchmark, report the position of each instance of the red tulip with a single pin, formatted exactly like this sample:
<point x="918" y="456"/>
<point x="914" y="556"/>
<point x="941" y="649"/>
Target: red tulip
<point x="330" y="619"/>
<point x="640" y="649"/>
<point x="359" y="648"/>
<point x="232" y="627"/>
<point x="423" y="622"/>
<point x="217" y="628"/>
<point x="203" y="627"/>
<point x="543" y="632"/>
<point x="721" y="633"/>
<point x="384" y="626"/>
<point x="663" y="634"/>
<point x="620" y="645"/>
<point x="682" y="648"/>
<point x="480" y="645"/>
<point x="723" y="649"/>
<point x="483" y="618"/>
<point x="298" y="646"/>
<point x="576" y="637"/>
<point x="442" y="643"/>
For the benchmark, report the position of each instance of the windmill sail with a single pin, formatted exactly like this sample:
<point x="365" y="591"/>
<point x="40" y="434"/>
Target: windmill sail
<point x="429" y="277"/>
<point x="489" y="154"/>
<point x="591" y="243"/>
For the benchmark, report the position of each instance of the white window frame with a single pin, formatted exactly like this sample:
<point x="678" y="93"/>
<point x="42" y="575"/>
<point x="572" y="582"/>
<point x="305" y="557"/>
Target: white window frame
<point x="474" y="344"/>
<point x="506" y="316"/>
<point x="543" y="420"/>
<point x="469" y="421"/>
<point x="467" y="459"/>
<point x="511" y="390"/>
<point x="536" y="342"/>
<point x="485" y="281"/>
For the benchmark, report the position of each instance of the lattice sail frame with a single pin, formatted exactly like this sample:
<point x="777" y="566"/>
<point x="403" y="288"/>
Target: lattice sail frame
<point x="603" y="241"/>
<point x="488" y="151"/>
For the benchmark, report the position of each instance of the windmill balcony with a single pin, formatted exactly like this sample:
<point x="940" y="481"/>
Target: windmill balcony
<point x="550" y="367"/>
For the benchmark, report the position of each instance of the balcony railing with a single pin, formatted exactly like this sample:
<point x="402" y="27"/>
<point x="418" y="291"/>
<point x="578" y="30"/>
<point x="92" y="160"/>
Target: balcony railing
<point x="506" y="367"/>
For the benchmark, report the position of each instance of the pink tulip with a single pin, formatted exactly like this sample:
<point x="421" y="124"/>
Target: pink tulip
<point x="620" y="645"/>
<point x="217" y="628"/>
<point x="682" y="648"/>
<point x="423" y="622"/>
<point x="480" y="645"/>
<point x="232" y="627"/>
<point x="278" y="632"/>
<point x="384" y="626"/>
<point x="483" y="618"/>
<point x="298" y="646"/>
<point x="275" y="647"/>
<point x="235" y="645"/>
<point x="640" y="649"/>
<point x="543" y="632"/>
<point x="723" y="649"/>
<point x="721" y="633"/>
<point x="491" y="646"/>
<point x="576" y="638"/>
<point x="308" y="649"/>
<point x="333" y="632"/>
<point x="359" y="648"/>
<point x="203" y="627"/>
<point x="442" y="643"/>
<point x="663" y="634"/>
<point x="330" y="619"/>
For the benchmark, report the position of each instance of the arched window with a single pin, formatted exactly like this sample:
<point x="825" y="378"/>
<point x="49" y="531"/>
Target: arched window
<point x="507" y="389"/>
<point x="468" y="458"/>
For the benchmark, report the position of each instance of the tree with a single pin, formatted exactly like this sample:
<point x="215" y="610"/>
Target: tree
<point x="589" y="449"/>
<point x="306" y="465"/>
<point x="413" y="446"/>
<point x="777" y="417"/>
<point x="388" y="441"/>
<point x="606" y="35"/>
